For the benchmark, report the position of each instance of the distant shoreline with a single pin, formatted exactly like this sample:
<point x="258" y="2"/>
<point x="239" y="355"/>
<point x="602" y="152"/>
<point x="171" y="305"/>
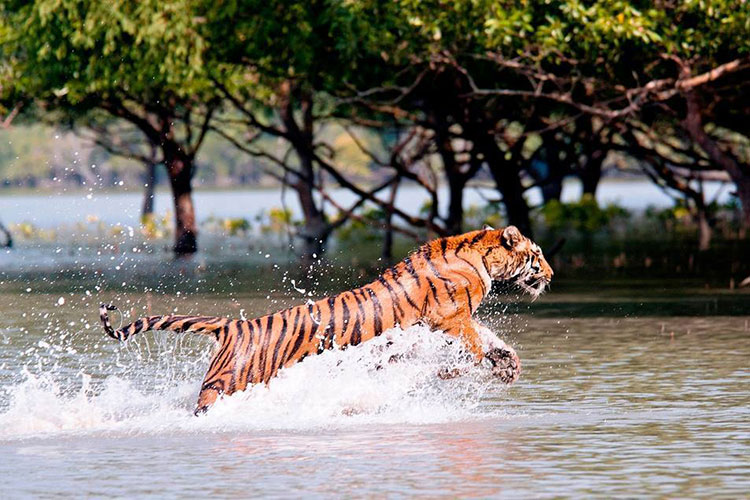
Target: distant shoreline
<point x="49" y="208"/>
<point x="163" y="187"/>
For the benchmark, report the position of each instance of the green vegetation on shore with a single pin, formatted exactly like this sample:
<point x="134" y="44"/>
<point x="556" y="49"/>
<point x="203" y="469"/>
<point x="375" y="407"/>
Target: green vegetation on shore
<point x="367" y="96"/>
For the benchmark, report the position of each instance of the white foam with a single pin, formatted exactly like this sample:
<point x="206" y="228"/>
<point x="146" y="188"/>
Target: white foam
<point x="337" y="388"/>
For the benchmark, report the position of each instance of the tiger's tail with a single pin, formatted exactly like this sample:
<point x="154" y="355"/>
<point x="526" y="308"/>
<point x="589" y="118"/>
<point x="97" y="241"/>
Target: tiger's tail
<point x="209" y="325"/>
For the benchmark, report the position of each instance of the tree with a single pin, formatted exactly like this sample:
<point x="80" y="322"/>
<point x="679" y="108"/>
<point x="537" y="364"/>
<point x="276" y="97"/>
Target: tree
<point x="523" y="93"/>
<point x="138" y="62"/>
<point x="539" y="66"/>
<point x="500" y="87"/>
<point x="284" y="91"/>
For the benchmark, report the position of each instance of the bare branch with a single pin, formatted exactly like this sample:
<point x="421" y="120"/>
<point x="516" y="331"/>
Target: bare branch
<point x="205" y="127"/>
<point x="240" y="106"/>
<point x="283" y="163"/>
<point x="344" y="182"/>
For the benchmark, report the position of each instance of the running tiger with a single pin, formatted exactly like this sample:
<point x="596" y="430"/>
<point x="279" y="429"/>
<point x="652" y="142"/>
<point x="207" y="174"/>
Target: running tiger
<point x="440" y="285"/>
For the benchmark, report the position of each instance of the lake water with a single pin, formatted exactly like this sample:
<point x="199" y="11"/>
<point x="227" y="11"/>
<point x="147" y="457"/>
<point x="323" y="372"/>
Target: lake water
<point x="608" y="405"/>
<point x="58" y="209"/>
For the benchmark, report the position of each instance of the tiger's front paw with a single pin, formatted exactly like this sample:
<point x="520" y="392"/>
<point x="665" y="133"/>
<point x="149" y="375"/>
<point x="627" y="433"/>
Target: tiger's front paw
<point x="506" y="364"/>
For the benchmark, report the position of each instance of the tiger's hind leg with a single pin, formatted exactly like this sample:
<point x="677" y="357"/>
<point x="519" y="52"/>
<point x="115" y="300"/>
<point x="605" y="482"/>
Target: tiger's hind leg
<point x="228" y="370"/>
<point x="224" y="378"/>
<point x="207" y="397"/>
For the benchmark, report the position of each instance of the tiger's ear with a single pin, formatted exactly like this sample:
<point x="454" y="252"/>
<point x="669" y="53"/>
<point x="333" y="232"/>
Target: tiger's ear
<point x="487" y="227"/>
<point x="511" y="236"/>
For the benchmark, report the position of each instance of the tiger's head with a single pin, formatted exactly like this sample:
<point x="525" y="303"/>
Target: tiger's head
<point x="512" y="257"/>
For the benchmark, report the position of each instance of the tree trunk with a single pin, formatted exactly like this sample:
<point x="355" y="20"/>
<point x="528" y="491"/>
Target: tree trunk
<point x="743" y="193"/>
<point x="704" y="230"/>
<point x="456" y="184"/>
<point x="591" y="172"/>
<point x="552" y="187"/>
<point x="180" y="170"/>
<point x="387" y="254"/>
<point x="455" y="219"/>
<point x="147" y="209"/>
<point x="593" y="139"/>
<point x="509" y="184"/>
<point x="315" y="232"/>
<point x="508" y="180"/>
<point x="456" y="179"/>
<point x="740" y="174"/>
<point x="8" y="243"/>
<point x="551" y="183"/>
<point x="178" y="158"/>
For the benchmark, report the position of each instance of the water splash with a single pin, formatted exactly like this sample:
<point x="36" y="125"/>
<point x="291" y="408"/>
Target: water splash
<point x="391" y="379"/>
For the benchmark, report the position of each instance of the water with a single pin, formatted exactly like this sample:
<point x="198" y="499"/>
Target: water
<point x="606" y="406"/>
<point x="123" y="207"/>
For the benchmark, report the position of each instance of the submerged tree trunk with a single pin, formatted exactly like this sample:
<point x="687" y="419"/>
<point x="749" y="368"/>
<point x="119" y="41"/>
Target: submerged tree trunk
<point x="180" y="170"/>
<point x="300" y="136"/>
<point x="456" y="184"/>
<point x="505" y="173"/>
<point x="509" y="184"/>
<point x="387" y="253"/>
<point x="314" y="235"/>
<point x="178" y="146"/>
<point x="594" y="141"/>
<point x="551" y="181"/>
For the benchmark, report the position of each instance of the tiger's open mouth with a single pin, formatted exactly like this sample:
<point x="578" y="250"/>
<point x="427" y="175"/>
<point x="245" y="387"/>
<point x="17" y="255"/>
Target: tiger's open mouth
<point x="533" y="285"/>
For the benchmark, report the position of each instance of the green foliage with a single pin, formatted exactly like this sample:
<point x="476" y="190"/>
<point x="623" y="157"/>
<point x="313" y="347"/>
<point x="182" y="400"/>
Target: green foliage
<point x="236" y="226"/>
<point x="681" y="220"/>
<point x="77" y="49"/>
<point x="583" y="216"/>
<point x="276" y="221"/>
<point x="475" y="217"/>
<point x="360" y="229"/>
<point x="153" y="227"/>
<point x="381" y="42"/>
<point x="679" y="212"/>
<point x="77" y="56"/>
<point x="426" y="208"/>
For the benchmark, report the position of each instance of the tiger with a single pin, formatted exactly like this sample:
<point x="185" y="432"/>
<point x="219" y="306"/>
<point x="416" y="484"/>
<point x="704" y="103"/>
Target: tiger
<point x="439" y="285"/>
